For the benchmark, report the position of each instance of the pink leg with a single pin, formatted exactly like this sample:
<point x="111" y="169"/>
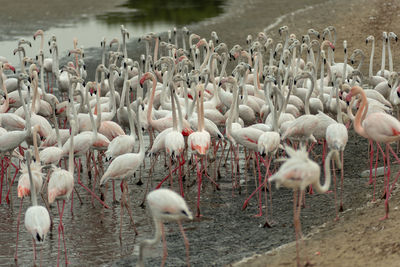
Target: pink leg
<point x="113" y="189"/>
<point x="12" y="181"/>
<point x="18" y="222"/>
<point x="165" y="251"/>
<point x="371" y="159"/>
<point x="87" y="189"/>
<point x="198" y="187"/>
<point x="2" y="178"/>
<point x="259" y="182"/>
<point x="186" y="243"/>
<point x="341" y="181"/>
<point x="180" y="174"/>
<point x="166" y="177"/>
<point x="260" y="186"/>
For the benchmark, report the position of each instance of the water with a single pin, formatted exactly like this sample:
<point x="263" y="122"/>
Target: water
<point x="139" y="17"/>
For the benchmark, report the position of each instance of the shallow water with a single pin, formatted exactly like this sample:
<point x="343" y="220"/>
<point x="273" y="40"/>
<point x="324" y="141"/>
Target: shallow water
<point x="224" y="234"/>
<point x="137" y="16"/>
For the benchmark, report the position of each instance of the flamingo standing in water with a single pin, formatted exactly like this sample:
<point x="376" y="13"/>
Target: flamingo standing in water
<point x="297" y="172"/>
<point x="125" y="166"/>
<point x="380" y="127"/>
<point x="37" y="218"/>
<point x="24" y="183"/>
<point x="165" y="205"/>
<point x="199" y="141"/>
<point x="60" y="187"/>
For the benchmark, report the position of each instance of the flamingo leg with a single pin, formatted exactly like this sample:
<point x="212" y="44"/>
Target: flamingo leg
<point x="128" y="207"/>
<point x="18" y="222"/>
<point x="87" y="189"/>
<point x="165" y="251"/>
<point x="198" y="186"/>
<point x="186" y="243"/>
<point x="341" y="181"/>
<point x="180" y="175"/>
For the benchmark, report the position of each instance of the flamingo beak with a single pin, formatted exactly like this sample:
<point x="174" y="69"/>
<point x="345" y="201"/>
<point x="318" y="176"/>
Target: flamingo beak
<point x="142" y="80"/>
<point x="12" y="68"/>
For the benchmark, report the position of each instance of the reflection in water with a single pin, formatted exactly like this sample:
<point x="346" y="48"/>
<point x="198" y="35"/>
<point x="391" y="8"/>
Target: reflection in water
<point x="176" y="12"/>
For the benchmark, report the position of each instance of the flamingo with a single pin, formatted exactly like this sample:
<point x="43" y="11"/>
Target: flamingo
<point x="24" y="183"/>
<point x="37" y="218"/>
<point x="60" y="187"/>
<point x="336" y="138"/>
<point x="165" y="205"/>
<point x="199" y="141"/>
<point x="379" y="127"/>
<point x="297" y="172"/>
<point x="125" y="166"/>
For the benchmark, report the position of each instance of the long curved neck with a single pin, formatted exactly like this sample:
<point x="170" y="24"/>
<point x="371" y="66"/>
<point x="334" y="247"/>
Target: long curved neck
<point x="371" y="60"/>
<point x="307" y="104"/>
<point x="360" y="114"/>
<point x="180" y="116"/>
<point x="200" y="112"/>
<point x="383" y="56"/>
<point x="35" y="144"/>
<point x="59" y="144"/>
<point x="27" y="114"/>
<point x="206" y="58"/>
<point x="324" y="188"/>
<point x="150" y="107"/>
<point x="390" y="57"/>
<point x="35" y="93"/>
<point x="150" y="242"/>
<point x="174" y="119"/>
<point x="113" y="100"/>
<point x="338" y="107"/>
<point x="140" y="134"/>
<point x="71" y="149"/>
<point x="130" y="115"/>
<point x="94" y="128"/>
<point x="32" y="184"/>
<point x="6" y="104"/>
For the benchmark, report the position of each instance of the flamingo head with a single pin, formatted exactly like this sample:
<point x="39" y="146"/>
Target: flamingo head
<point x="38" y="32"/>
<point x="145" y="77"/>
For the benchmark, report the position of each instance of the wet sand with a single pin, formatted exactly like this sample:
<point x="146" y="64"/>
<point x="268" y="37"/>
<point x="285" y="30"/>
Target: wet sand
<point x="225" y="234"/>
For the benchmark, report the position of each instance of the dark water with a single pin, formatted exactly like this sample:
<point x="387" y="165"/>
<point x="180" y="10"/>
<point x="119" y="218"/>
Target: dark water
<point x="139" y="17"/>
<point x="176" y="12"/>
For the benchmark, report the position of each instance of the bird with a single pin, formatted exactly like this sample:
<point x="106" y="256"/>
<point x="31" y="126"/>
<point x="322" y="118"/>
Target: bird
<point x="297" y="172"/>
<point x="37" y="218"/>
<point x="60" y="187"/>
<point x="165" y="205"/>
<point x="125" y="166"/>
<point x="379" y="127"/>
<point x="199" y="142"/>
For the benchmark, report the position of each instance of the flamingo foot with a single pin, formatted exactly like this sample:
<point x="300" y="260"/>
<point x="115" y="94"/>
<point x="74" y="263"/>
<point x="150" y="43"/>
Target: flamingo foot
<point x="384" y="217"/>
<point x="267" y="224"/>
<point x="258" y="215"/>
<point x="341" y="208"/>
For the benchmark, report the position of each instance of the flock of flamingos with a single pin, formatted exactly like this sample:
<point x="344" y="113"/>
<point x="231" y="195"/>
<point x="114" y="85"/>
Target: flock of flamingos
<point x="281" y="99"/>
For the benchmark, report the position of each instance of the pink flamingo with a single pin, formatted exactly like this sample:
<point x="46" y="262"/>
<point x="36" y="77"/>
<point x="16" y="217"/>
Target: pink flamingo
<point x="24" y="183"/>
<point x="297" y="172"/>
<point x="379" y="127"/>
<point x="37" y="218"/>
<point x="199" y="141"/>
<point x="60" y="187"/>
<point x="165" y="205"/>
<point x="125" y="166"/>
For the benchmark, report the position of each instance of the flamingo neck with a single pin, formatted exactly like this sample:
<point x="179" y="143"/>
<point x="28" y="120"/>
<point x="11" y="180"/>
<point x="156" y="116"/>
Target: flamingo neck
<point x="371" y="60"/>
<point x="150" y="107"/>
<point x="324" y="188"/>
<point x="360" y="115"/>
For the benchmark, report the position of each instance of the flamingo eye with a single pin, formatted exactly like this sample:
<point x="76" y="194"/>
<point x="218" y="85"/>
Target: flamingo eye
<point x="184" y="212"/>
